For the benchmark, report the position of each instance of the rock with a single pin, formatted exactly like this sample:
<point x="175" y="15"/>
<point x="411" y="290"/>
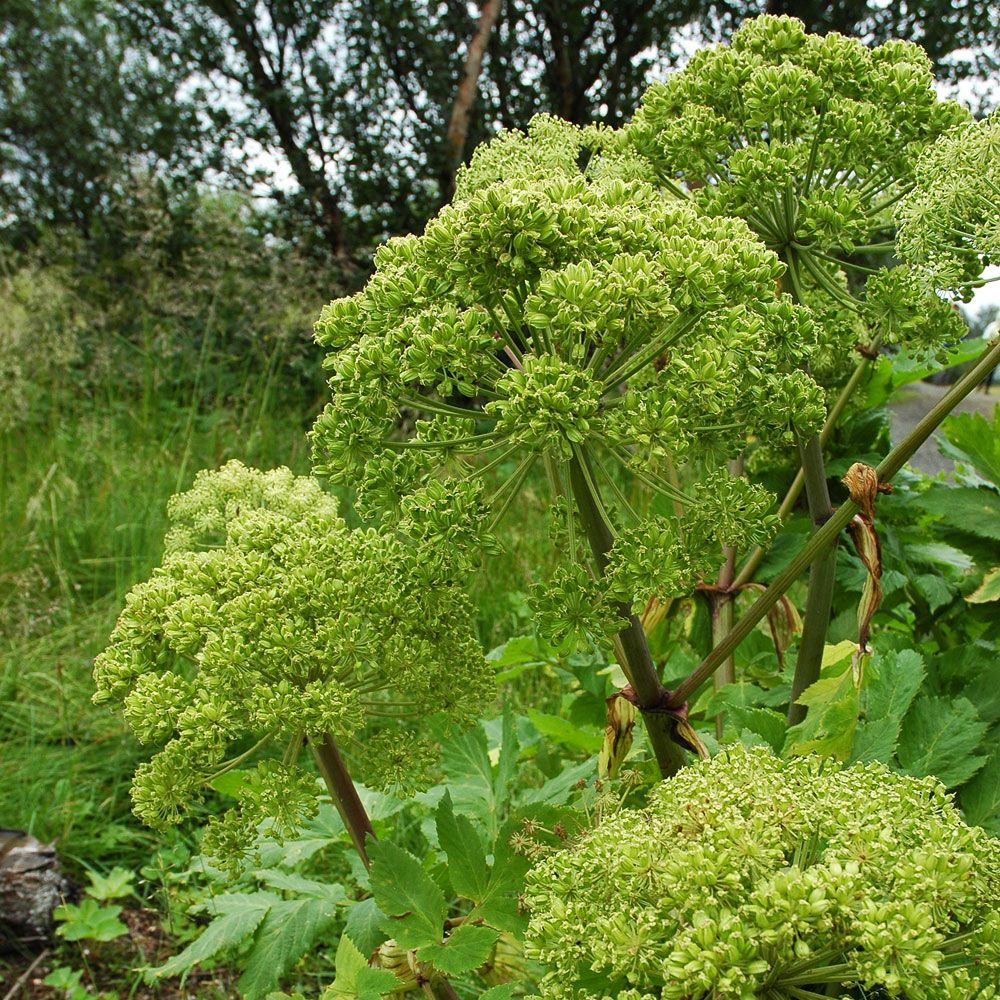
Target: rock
<point x="31" y="887"/>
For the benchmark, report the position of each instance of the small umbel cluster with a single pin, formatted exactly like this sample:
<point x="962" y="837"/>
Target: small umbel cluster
<point x="270" y="621"/>
<point x="753" y="878"/>
<point x="950" y="223"/>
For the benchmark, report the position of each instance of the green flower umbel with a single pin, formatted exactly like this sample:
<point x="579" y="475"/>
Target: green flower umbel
<point x="560" y="318"/>
<point x="812" y="140"/>
<point x="271" y="621"/>
<point x="950" y="224"/>
<point x="750" y="877"/>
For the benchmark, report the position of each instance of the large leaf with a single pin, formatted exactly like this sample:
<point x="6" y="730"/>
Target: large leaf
<point x="500" y="906"/>
<point x="239" y="916"/>
<point x="973" y="511"/>
<point x="555" y="727"/>
<point x="765" y="724"/>
<point x="466" y="762"/>
<point x="892" y="682"/>
<point x="467" y="867"/>
<point x="980" y="798"/>
<point x="834" y="702"/>
<point x="289" y="931"/>
<point x="413" y="902"/>
<point x="364" y="924"/>
<point x="941" y="736"/>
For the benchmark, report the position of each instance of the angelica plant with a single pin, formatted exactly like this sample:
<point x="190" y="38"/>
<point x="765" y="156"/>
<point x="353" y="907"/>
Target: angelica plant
<point x="749" y="877"/>
<point x="271" y="622"/>
<point x="811" y="140"/>
<point x="578" y="321"/>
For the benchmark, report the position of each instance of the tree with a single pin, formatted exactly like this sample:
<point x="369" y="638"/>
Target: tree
<point x="82" y="110"/>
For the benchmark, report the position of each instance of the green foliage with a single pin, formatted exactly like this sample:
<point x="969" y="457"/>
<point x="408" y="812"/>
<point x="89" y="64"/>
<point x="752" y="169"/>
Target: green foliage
<point x="89" y="921"/>
<point x="746" y="870"/>
<point x="272" y="931"/>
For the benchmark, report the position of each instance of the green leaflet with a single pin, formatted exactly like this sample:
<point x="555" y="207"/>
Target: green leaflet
<point x="980" y="798"/>
<point x="834" y="702"/>
<point x="354" y="976"/>
<point x="413" y="902"/>
<point x="289" y="930"/>
<point x="563" y="731"/>
<point x="940" y="737"/>
<point x="467" y="867"/>
<point x="364" y="924"/>
<point x="764" y="724"/>
<point x="975" y="441"/>
<point x="466" y="947"/>
<point x="892" y="682"/>
<point x="967" y="509"/>
<point x="239" y="916"/>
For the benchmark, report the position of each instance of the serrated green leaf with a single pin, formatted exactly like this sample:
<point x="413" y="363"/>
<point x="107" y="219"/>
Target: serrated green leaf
<point x="372" y="983"/>
<point x="467" y="867"/>
<point x="116" y="884"/>
<point x="466" y="948"/>
<point x="503" y="780"/>
<point x="765" y="723"/>
<point x="349" y="961"/>
<point x="89" y="921"/>
<point x="558" y="789"/>
<point x="505" y="991"/>
<point x="834" y="703"/>
<point x="355" y="977"/>
<point x="988" y="590"/>
<point x="466" y="762"/>
<point x="499" y="906"/>
<point x="290" y="882"/>
<point x="240" y="914"/>
<point x="940" y="736"/>
<point x="976" y="441"/>
<point x="891" y="683"/>
<point x="364" y="924"/>
<point x="288" y="932"/>
<point x="980" y="798"/>
<point x="413" y="902"/>
<point x="934" y="590"/>
<point x="965" y="508"/>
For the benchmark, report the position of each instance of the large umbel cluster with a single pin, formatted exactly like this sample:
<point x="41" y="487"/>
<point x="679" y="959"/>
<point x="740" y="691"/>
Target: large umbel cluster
<point x="749" y="877"/>
<point x="270" y="621"/>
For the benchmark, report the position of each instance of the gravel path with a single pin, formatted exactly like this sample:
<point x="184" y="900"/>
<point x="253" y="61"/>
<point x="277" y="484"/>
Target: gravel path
<point x="914" y="403"/>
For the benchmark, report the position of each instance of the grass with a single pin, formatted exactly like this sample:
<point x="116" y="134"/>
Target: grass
<point x="82" y="508"/>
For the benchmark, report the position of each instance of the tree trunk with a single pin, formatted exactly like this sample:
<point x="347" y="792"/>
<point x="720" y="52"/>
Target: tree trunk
<point x="458" y="127"/>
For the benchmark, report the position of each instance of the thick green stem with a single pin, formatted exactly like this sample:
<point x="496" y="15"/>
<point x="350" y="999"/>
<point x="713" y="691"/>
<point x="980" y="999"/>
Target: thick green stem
<point x="830" y="532"/>
<point x="638" y="665"/>
<point x="722" y="623"/>
<point x="723" y="612"/>
<point x="819" y="599"/>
